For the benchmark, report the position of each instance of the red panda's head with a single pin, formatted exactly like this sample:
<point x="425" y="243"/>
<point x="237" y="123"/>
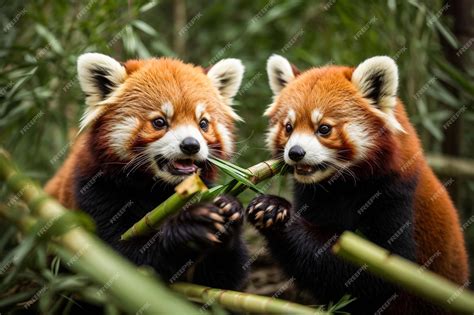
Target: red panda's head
<point x="162" y="116"/>
<point x="327" y="121"/>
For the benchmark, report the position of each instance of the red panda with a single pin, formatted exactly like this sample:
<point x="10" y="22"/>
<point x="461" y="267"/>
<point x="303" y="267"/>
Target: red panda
<point x="148" y="125"/>
<point x="357" y="165"/>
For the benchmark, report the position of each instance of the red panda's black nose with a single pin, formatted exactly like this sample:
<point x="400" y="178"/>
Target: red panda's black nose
<point x="296" y="153"/>
<point x="189" y="145"/>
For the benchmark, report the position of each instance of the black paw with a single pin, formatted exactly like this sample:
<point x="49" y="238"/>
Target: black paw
<point x="268" y="212"/>
<point x="205" y="225"/>
<point x="231" y="208"/>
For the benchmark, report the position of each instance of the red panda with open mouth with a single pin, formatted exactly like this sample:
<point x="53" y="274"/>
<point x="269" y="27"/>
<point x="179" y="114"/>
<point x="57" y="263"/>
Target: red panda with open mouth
<point x="357" y="165"/>
<point x="148" y="125"/>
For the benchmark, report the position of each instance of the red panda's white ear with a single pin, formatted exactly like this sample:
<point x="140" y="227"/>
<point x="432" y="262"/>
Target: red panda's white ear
<point x="99" y="76"/>
<point x="226" y="75"/>
<point x="280" y="73"/>
<point x="377" y="80"/>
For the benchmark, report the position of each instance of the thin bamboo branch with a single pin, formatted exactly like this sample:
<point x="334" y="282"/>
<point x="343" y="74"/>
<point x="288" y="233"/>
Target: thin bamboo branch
<point x="451" y="166"/>
<point x="242" y="302"/>
<point x="152" y="220"/>
<point x="185" y="191"/>
<point x="407" y="274"/>
<point x="88" y="255"/>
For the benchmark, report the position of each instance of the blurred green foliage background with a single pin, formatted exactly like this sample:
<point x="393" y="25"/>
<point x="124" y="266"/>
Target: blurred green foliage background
<point x="41" y="101"/>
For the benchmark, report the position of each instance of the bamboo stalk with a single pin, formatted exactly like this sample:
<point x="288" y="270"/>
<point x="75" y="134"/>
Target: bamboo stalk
<point x="241" y="302"/>
<point x="405" y="273"/>
<point x="185" y="191"/>
<point x="152" y="220"/>
<point x="88" y="255"/>
<point x="451" y="166"/>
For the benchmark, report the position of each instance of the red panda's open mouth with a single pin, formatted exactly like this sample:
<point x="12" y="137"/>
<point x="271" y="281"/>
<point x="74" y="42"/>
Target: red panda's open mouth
<point x="305" y="169"/>
<point x="182" y="167"/>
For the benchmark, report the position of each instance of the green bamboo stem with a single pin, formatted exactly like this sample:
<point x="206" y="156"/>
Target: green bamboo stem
<point x="90" y="256"/>
<point x="152" y="220"/>
<point x="185" y="191"/>
<point x="241" y="302"/>
<point x="407" y="274"/>
<point x="260" y="172"/>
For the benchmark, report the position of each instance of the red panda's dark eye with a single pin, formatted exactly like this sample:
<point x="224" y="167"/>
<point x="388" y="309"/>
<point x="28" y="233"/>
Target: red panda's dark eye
<point x="204" y="124"/>
<point x="159" y="123"/>
<point x="324" y="130"/>
<point x="288" y="128"/>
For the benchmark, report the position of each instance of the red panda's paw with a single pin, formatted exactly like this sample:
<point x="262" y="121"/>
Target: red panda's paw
<point x="268" y="212"/>
<point x="208" y="224"/>
<point x="231" y="208"/>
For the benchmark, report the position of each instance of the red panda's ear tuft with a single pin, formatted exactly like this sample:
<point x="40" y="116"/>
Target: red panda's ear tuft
<point x="280" y="72"/>
<point x="99" y="76"/>
<point x="133" y="65"/>
<point x="226" y="76"/>
<point x="377" y="80"/>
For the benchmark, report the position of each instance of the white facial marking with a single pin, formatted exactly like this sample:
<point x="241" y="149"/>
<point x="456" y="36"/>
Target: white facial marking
<point x="271" y="137"/>
<point x="316" y="153"/>
<point x="316" y="116"/>
<point x="291" y="116"/>
<point x="360" y="137"/>
<point x="168" y="145"/>
<point x="168" y="110"/>
<point x="200" y="109"/>
<point x="226" y="139"/>
<point x="270" y="109"/>
<point x="121" y="134"/>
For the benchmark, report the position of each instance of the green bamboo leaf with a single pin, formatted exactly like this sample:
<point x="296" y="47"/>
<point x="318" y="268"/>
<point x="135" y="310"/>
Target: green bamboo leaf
<point x="234" y="172"/>
<point x="440" y="93"/>
<point x="26" y="76"/>
<point x="129" y="40"/>
<point x="16" y="298"/>
<point x="456" y="75"/>
<point x="430" y="126"/>
<point x="230" y="166"/>
<point x="243" y="180"/>
<point x="162" y="48"/>
<point x="145" y="28"/>
<point x="141" y="49"/>
<point x="450" y="38"/>
<point x="50" y="38"/>
<point x="150" y="5"/>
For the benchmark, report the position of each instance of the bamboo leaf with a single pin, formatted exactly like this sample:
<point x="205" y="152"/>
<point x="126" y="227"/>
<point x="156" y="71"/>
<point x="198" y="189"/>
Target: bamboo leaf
<point x="237" y="176"/>
<point x="231" y="165"/>
<point x="50" y="38"/>
<point x="145" y="28"/>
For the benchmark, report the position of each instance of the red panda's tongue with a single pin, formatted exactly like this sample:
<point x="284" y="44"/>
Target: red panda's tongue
<point x="185" y="166"/>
